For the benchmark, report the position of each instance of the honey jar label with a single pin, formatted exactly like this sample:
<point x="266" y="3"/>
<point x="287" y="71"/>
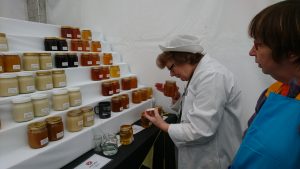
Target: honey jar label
<point x="78" y="36"/>
<point x="77" y="101"/>
<point x="1" y="68"/>
<point x="12" y="90"/>
<point x="44" y="141"/>
<point x="80" y="123"/>
<point x="111" y="92"/>
<point x="16" y="67"/>
<point x="60" y="134"/>
<point x="89" y="62"/>
<point x="98" y="62"/>
<point x="79" y="49"/>
<point x="65" y="48"/>
<point x="69" y="35"/>
<point x="35" y="66"/>
<point x="66" y="105"/>
<point x="45" y="110"/>
<point x="88" y="48"/>
<point x="28" y="115"/>
<point x="64" y="63"/>
<point x="49" y="65"/>
<point x="62" y="84"/>
<point x="90" y="118"/>
<point x="54" y="47"/>
<point x="3" y="46"/>
<point x="99" y="49"/>
<point x="100" y="76"/>
<point x="76" y="63"/>
<point x="30" y="88"/>
<point x="49" y="86"/>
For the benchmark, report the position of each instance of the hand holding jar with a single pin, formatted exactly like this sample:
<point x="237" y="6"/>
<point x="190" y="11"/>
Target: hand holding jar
<point x="169" y="89"/>
<point x="156" y="119"/>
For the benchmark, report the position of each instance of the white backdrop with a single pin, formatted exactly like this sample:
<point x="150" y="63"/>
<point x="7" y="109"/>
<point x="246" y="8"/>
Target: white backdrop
<point x="136" y="27"/>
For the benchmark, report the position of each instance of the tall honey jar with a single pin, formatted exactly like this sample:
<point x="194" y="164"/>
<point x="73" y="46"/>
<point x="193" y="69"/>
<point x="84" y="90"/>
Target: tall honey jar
<point x="37" y="134"/>
<point x="86" y="34"/>
<point x="3" y="42"/>
<point x="114" y="71"/>
<point x="55" y="128"/>
<point x="105" y="70"/>
<point x="26" y="82"/>
<point x="136" y="97"/>
<point x="41" y="105"/>
<point x="88" y="116"/>
<point x="107" y="59"/>
<point x="72" y="60"/>
<point x="12" y="62"/>
<point x="74" y="120"/>
<point x="126" y="83"/>
<point x="1" y="64"/>
<point x="22" y="109"/>
<point x="116" y="104"/>
<point x="75" y="96"/>
<point x="115" y="86"/>
<point x="106" y="88"/>
<point x="60" y="100"/>
<point x="43" y="80"/>
<point x="61" y="60"/>
<point x="86" y="46"/>
<point x="45" y="61"/>
<point x="86" y="59"/>
<point x="170" y="88"/>
<point x="59" y="78"/>
<point x="31" y="61"/>
<point x="95" y="74"/>
<point x="66" y="32"/>
<point x="95" y="59"/>
<point x="50" y="43"/>
<point x="133" y="82"/>
<point x="76" y="33"/>
<point x="96" y="46"/>
<point x="125" y="101"/>
<point x="126" y="134"/>
<point x="144" y="121"/>
<point x="8" y="84"/>
<point x="144" y="94"/>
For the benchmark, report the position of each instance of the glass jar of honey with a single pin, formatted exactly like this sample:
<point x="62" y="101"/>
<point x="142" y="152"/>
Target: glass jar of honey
<point x="66" y="32"/>
<point x="115" y="86"/>
<point x="96" y="46"/>
<point x="3" y="42"/>
<point x="61" y="60"/>
<point x="74" y="120"/>
<point x="95" y="59"/>
<point x="50" y="44"/>
<point x="8" y="84"/>
<point x="22" y="109"/>
<point x="76" y="33"/>
<point x="43" y="80"/>
<point x="116" y="104"/>
<point x="86" y="34"/>
<point x="55" y="128"/>
<point x="31" y="61"/>
<point x="170" y="88"/>
<point x="72" y="60"/>
<point x="86" y="59"/>
<point x="26" y="82"/>
<point x="144" y="121"/>
<point x="133" y="82"/>
<point x="105" y="70"/>
<point x="106" y="88"/>
<point x="95" y="74"/>
<point x="59" y="78"/>
<point x="114" y="71"/>
<point x="60" y="100"/>
<point x="125" y="101"/>
<point x="126" y="83"/>
<point x="1" y="64"/>
<point x="107" y="59"/>
<point x="12" y="62"/>
<point x="144" y="94"/>
<point x="149" y="92"/>
<point x="136" y="97"/>
<point x="41" y="105"/>
<point x="86" y="46"/>
<point x="126" y="134"/>
<point x="62" y="44"/>
<point x="45" y="61"/>
<point x="88" y="116"/>
<point x="75" y="96"/>
<point x="76" y="45"/>
<point x="37" y="134"/>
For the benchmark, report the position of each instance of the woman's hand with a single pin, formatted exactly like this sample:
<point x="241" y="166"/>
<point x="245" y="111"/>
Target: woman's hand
<point x="160" y="87"/>
<point x="157" y="120"/>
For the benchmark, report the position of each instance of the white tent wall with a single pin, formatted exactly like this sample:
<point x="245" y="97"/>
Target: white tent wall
<point x="136" y="27"/>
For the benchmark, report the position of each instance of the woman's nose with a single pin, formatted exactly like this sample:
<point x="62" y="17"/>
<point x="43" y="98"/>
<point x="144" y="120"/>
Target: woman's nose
<point x="252" y="51"/>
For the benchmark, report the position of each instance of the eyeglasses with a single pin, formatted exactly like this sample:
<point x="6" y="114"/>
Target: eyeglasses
<point x="171" y="67"/>
<point x="257" y="44"/>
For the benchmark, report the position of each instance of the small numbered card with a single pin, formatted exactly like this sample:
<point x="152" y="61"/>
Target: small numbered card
<point x="95" y="161"/>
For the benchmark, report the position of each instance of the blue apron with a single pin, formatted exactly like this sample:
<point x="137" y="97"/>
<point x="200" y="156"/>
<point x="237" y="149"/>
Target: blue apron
<point x="273" y="139"/>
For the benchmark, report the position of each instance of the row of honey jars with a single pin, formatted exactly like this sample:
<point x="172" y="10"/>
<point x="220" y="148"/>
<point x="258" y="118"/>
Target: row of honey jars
<point x="74" y="33"/>
<point x="129" y="83"/>
<point x="79" y="118"/>
<point x="46" y="80"/>
<point x="63" y="99"/>
<point x="65" y="60"/>
<point x="85" y="45"/>
<point x="55" y="44"/>
<point x="105" y="72"/>
<point x="109" y="88"/>
<point x="119" y="103"/>
<point x="3" y="42"/>
<point x="141" y="95"/>
<point x="40" y="133"/>
<point x="90" y="59"/>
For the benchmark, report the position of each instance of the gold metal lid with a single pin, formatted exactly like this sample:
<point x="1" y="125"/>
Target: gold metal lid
<point x="51" y="38"/>
<point x="2" y="35"/>
<point x="53" y="120"/>
<point x="45" y="54"/>
<point x="60" y="71"/>
<point x="31" y="54"/>
<point x="37" y="126"/>
<point x="87" y="109"/>
<point x="60" y="54"/>
<point x="42" y="73"/>
<point x="74" y="113"/>
<point x="66" y="27"/>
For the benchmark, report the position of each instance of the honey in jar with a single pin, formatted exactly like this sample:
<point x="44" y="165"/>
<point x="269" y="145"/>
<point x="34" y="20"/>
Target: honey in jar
<point x="86" y="34"/>
<point x="31" y="61"/>
<point x="72" y="60"/>
<point x="126" y="134"/>
<point x="105" y="70"/>
<point x="12" y="63"/>
<point x="115" y="86"/>
<point x="43" y="80"/>
<point x="59" y="78"/>
<point x="3" y="42"/>
<point x="106" y="88"/>
<point x="88" y="116"/>
<point x="41" y="105"/>
<point x="50" y="44"/>
<point x="55" y="128"/>
<point x="133" y="82"/>
<point x="114" y="71"/>
<point x="74" y="120"/>
<point x="149" y="92"/>
<point x="45" y="61"/>
<point x="144" y="121"/>
<point x="126" y="83"/>
<point x="62" y="44"/>
<point x="60" y="100"/>
<point x="61" y="60"/>
<point x="66" y="32"/>
<point x="136" y="97"/>
<point x="86" y="59"/>
<point x="170" y="88"/>
<point x="76" y="45"/>
<point x="107" y="59"/>
<point x="22" y="109"/>
<point x="144" y="94"/>
<point x="26" y="82"/>
<point x="75" y="96"/>
<point x="96" y="46"/>
<point x="76" y="33"/>
<point x="8" y="84"/>
<point x="116" y="104"/>
<point x="86" y="46"/>
<point x="125" y="101"/>
<point x="37" y="134"/>
<point x="95" y="74"/>
<point x="1" y="64"/>
<point x="95" y="59"/>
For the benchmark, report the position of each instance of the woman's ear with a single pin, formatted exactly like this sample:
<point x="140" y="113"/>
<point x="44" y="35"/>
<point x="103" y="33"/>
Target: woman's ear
<point x="293" y="58"/>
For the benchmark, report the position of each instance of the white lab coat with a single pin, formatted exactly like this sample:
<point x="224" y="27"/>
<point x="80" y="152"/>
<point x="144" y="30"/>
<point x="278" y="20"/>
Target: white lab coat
<point x="210" y="130"/>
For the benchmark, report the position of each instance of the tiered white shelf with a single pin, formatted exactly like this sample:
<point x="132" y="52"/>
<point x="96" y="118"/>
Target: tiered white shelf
<point x="24" y="37"/>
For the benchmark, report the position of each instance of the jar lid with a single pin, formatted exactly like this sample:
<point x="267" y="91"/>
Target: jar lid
<point x="61" y="38"/>
<point x="106" y="83"/>
<point x="60" y="71"/>
<point x="74" y="89"/>
<point x="21" y="100"/>
<point x="126" y="78"/>
<point x="94" y="41"/>
<point x="115" y="67"/>
<point x="170" y="81"/>
<point x="2" y="35"/>
<point x="75" y="27"/>
<point x="125" y="127"/>
<point x="50" y="37"/>
<point x="37" y="125"/>
<point x="72" y="53"/>
<point x="24" y="74"/>
<point x="41" y="73"/>
<point x="61" y="54"/>
<point x="11" y="54"/>
<point x="7" y="75"/>
<point x="45" y="54"/>
<point x="87" y="109"/>
<point x="53" y="120"/>
<point x="31" y="54"/>
<point x="96" y="68"/>
<point x="60" y="92"/>
<point x="85" y="30"/>
<point x="39" y="96"/>
<point x="95" y="54"/>
<point x="66" y="27"/>
<point x="73" y="113"/>
<point x="115" y="98"/>
<point x="85" y="53"/>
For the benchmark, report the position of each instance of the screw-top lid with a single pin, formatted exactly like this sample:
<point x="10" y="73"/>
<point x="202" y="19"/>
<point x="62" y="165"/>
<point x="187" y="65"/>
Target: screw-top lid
<point x="24" y="74"/>
<point x="74" y="89"/>
<point x="39" y="96"/>
<point x="60" y="92"/>
<point x="8" y="75"/>
<point x="21" y="100"/>
<point x="37" y="125"/>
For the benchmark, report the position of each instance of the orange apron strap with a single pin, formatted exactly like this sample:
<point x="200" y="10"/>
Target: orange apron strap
<point x="275" y="88"/>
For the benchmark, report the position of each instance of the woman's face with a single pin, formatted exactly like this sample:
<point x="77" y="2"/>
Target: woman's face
<point x="182" y="71"/>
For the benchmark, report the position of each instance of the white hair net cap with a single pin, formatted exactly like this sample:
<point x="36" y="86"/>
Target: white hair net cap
<point x="183" y="43"/>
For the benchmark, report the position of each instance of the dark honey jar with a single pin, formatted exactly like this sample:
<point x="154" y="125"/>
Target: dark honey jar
<point x="105" y="70"/>
<point x="86" y="46"/>
<point x="126" y="83"/>
<point x="50" y="44"/>
<point x="125" y="101"/>
<point x="66" y="32"/>
<point x="72" y="60"/>
<point x="96" y="46"/>
<point x="95" y="59"/>
<point x="55" y="128"/>
<point x="76" y="45"/>
<point x="106" y="88"/>
<point x="136" y="97"/>
<point x="170" y="88"/>
<point x="61" y="60"/>
<point x="62" y="44"/>
<point x="95" y="74"/>
<point x="115" y="86"/>
<point x="86" y="59"/>
<point x="133" y="82"/>
<point x="76" y="33"/>
<point x="116" y="104"/>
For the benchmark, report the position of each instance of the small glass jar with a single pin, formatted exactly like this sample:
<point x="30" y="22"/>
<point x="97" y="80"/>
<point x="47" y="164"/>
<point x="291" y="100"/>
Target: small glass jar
<point x="61" y="60"/>
<point x="74" y="120"/>
<point x="86" y="34"/>
<point x="170" y="88"/>
<point x="144" y="121"/>
<point x="50" y="44"/>
<point x="86" y="59"/>
<point x="22" y="109"/>
<point x="95" y="74"/>
<point x="125" y="101"/>
<point x="107" y="59"/>
<point x="8" y="84"/>
<point x="41" y="105"/>
<point x="59" y="78"/>
<point x="126" y="134"/>
<point x="12" y="63"/>
<point x="76" y="45"/>
<point x="105" y="71"/>
<point x="114" y="71"/>
<point x="133" y="82"/>
<point x="26" y="82"/>
<point x="136" y="97"/>
<point x="37" y="134"/>
<point x="149" y="92"/>
<point x="76" y="33"/>
<point x="126" y="83"/>
<point x="60" y="100"/>
<point x="3" y="42"/>
<point x="75" y="96"/>
<point x="72" y="60"/>
<point x="66" y="32"/>
<point x="95" y="59"/>
<point x="96" y="46"/>
<point x="88" y="116"/>
<point x="115" y="86"/>
<point x="45" y="61"/>
<point x="43" y="80"/>
<point x="1" y="64"/>
<point x="144" y="94"/>
<point x="86" y="46"/>
<point x="106" y="88"/>
<point x="31" y="61"/>
<point x="62" y="44"/>
<point x="55" y="128"/>
<point x="116" y="104"/>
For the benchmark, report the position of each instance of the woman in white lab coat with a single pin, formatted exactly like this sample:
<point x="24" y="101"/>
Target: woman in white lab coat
<point x="209" y="131"/>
